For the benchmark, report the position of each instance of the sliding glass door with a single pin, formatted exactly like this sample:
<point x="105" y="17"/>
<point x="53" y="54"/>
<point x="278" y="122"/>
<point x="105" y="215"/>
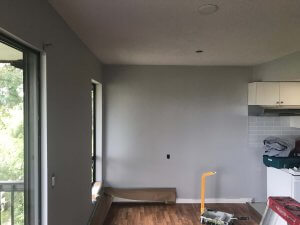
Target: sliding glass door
<point x="19" y="134"/>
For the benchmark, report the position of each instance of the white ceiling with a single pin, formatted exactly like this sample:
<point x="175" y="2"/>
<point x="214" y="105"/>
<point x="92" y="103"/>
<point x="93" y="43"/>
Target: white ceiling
<point x="167" y="32"/>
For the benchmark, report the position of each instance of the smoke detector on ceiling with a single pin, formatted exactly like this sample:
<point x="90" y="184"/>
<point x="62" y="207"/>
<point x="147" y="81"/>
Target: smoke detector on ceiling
<point x="208" y="9"/>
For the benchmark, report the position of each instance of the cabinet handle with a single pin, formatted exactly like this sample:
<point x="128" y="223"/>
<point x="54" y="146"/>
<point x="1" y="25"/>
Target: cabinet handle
<point x="281" y="102"/>
<point x="277" y="102"/>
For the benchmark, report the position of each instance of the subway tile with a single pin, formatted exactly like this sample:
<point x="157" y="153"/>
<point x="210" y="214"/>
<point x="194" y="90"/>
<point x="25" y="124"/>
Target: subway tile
<point x="252" y="119"/>
<point x="260" y="123"/>
<point x="277" y="123"/>
<point x="275" y="132"/>
<point x="261" y="118"/>
<point x="260" y="128"/>
<point x="289" y="132"/>
<point x="283" y="128"/>
<point x="277" y="119"/>
<point x="252" y="124"/>
<point x="269" y="123"/>
<point x="252" y="132"/>
<point x="285" y="121"/>
<point x="266" y="128"/>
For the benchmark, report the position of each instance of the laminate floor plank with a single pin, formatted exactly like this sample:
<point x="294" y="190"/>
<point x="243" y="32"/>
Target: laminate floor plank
<point x="177" y="214"/>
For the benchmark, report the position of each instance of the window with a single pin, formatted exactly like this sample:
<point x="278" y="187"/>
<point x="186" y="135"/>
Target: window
<point x="94" y="99"/>
<point x="96" y="140"/>
<point x="19" y="134"/>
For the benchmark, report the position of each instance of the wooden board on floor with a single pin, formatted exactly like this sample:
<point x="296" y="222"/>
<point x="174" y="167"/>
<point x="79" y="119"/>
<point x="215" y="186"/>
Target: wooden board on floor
<point x="101" y="209"/>
<point x="177" y="214"/>
<point x="166" y="195"/>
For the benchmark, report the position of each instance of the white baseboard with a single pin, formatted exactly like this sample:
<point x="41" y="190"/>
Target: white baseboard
<point x="214" y="200"/>
<point x="190" y="201"/>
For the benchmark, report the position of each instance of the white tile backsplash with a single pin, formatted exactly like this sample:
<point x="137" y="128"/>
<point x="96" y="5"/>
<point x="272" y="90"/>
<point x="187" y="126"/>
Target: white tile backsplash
<point x="260" y="127"/>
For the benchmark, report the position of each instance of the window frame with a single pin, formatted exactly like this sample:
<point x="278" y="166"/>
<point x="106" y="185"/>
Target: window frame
<point x="94" y="131"/>
<point x="5" y="39"/>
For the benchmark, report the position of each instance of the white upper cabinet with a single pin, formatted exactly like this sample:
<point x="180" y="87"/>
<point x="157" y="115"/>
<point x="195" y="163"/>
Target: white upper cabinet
<point x="290" y="93"/>
<point x="274" y="94"/>
<point x="267" y="93"/>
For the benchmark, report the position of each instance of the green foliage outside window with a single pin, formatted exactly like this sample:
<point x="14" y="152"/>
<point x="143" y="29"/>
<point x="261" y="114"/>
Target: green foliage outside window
<point x="11" y="139"/>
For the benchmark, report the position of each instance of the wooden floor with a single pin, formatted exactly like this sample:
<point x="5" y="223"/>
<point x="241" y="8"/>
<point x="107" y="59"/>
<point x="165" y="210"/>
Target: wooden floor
<point x="179" y="214"/>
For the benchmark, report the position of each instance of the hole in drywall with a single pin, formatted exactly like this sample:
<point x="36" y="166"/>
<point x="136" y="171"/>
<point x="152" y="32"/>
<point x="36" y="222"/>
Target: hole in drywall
<point x="168" y="156"/>
<point x="208" y="9"/>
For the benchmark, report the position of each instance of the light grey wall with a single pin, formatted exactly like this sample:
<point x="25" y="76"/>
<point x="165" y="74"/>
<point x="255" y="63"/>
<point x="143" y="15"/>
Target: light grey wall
<point x="70" y="67"/>
<point x="196" y="114"/>
<point x="286" y="68"/>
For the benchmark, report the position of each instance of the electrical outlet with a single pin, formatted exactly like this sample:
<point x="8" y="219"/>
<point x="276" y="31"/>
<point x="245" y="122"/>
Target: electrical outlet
<point x="53" y="180"/>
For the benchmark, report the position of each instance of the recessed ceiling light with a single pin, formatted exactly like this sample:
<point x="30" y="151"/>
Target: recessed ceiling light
<point x="199" y="51"/>
<point x="208" y="9"/>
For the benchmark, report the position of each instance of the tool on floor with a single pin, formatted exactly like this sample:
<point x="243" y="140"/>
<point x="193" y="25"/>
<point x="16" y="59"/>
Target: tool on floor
<point x="203" y="184"/>
<point x="284" y="207"/>
<point x="211" y="216"/>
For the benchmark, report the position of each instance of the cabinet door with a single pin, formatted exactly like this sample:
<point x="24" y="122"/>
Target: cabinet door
<point x="289" y="93"/>
<point x="296" y="188"/>
<point x="279" y="183"/>
<point x="252" y="94"/>
<point x="267" y="93"/>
